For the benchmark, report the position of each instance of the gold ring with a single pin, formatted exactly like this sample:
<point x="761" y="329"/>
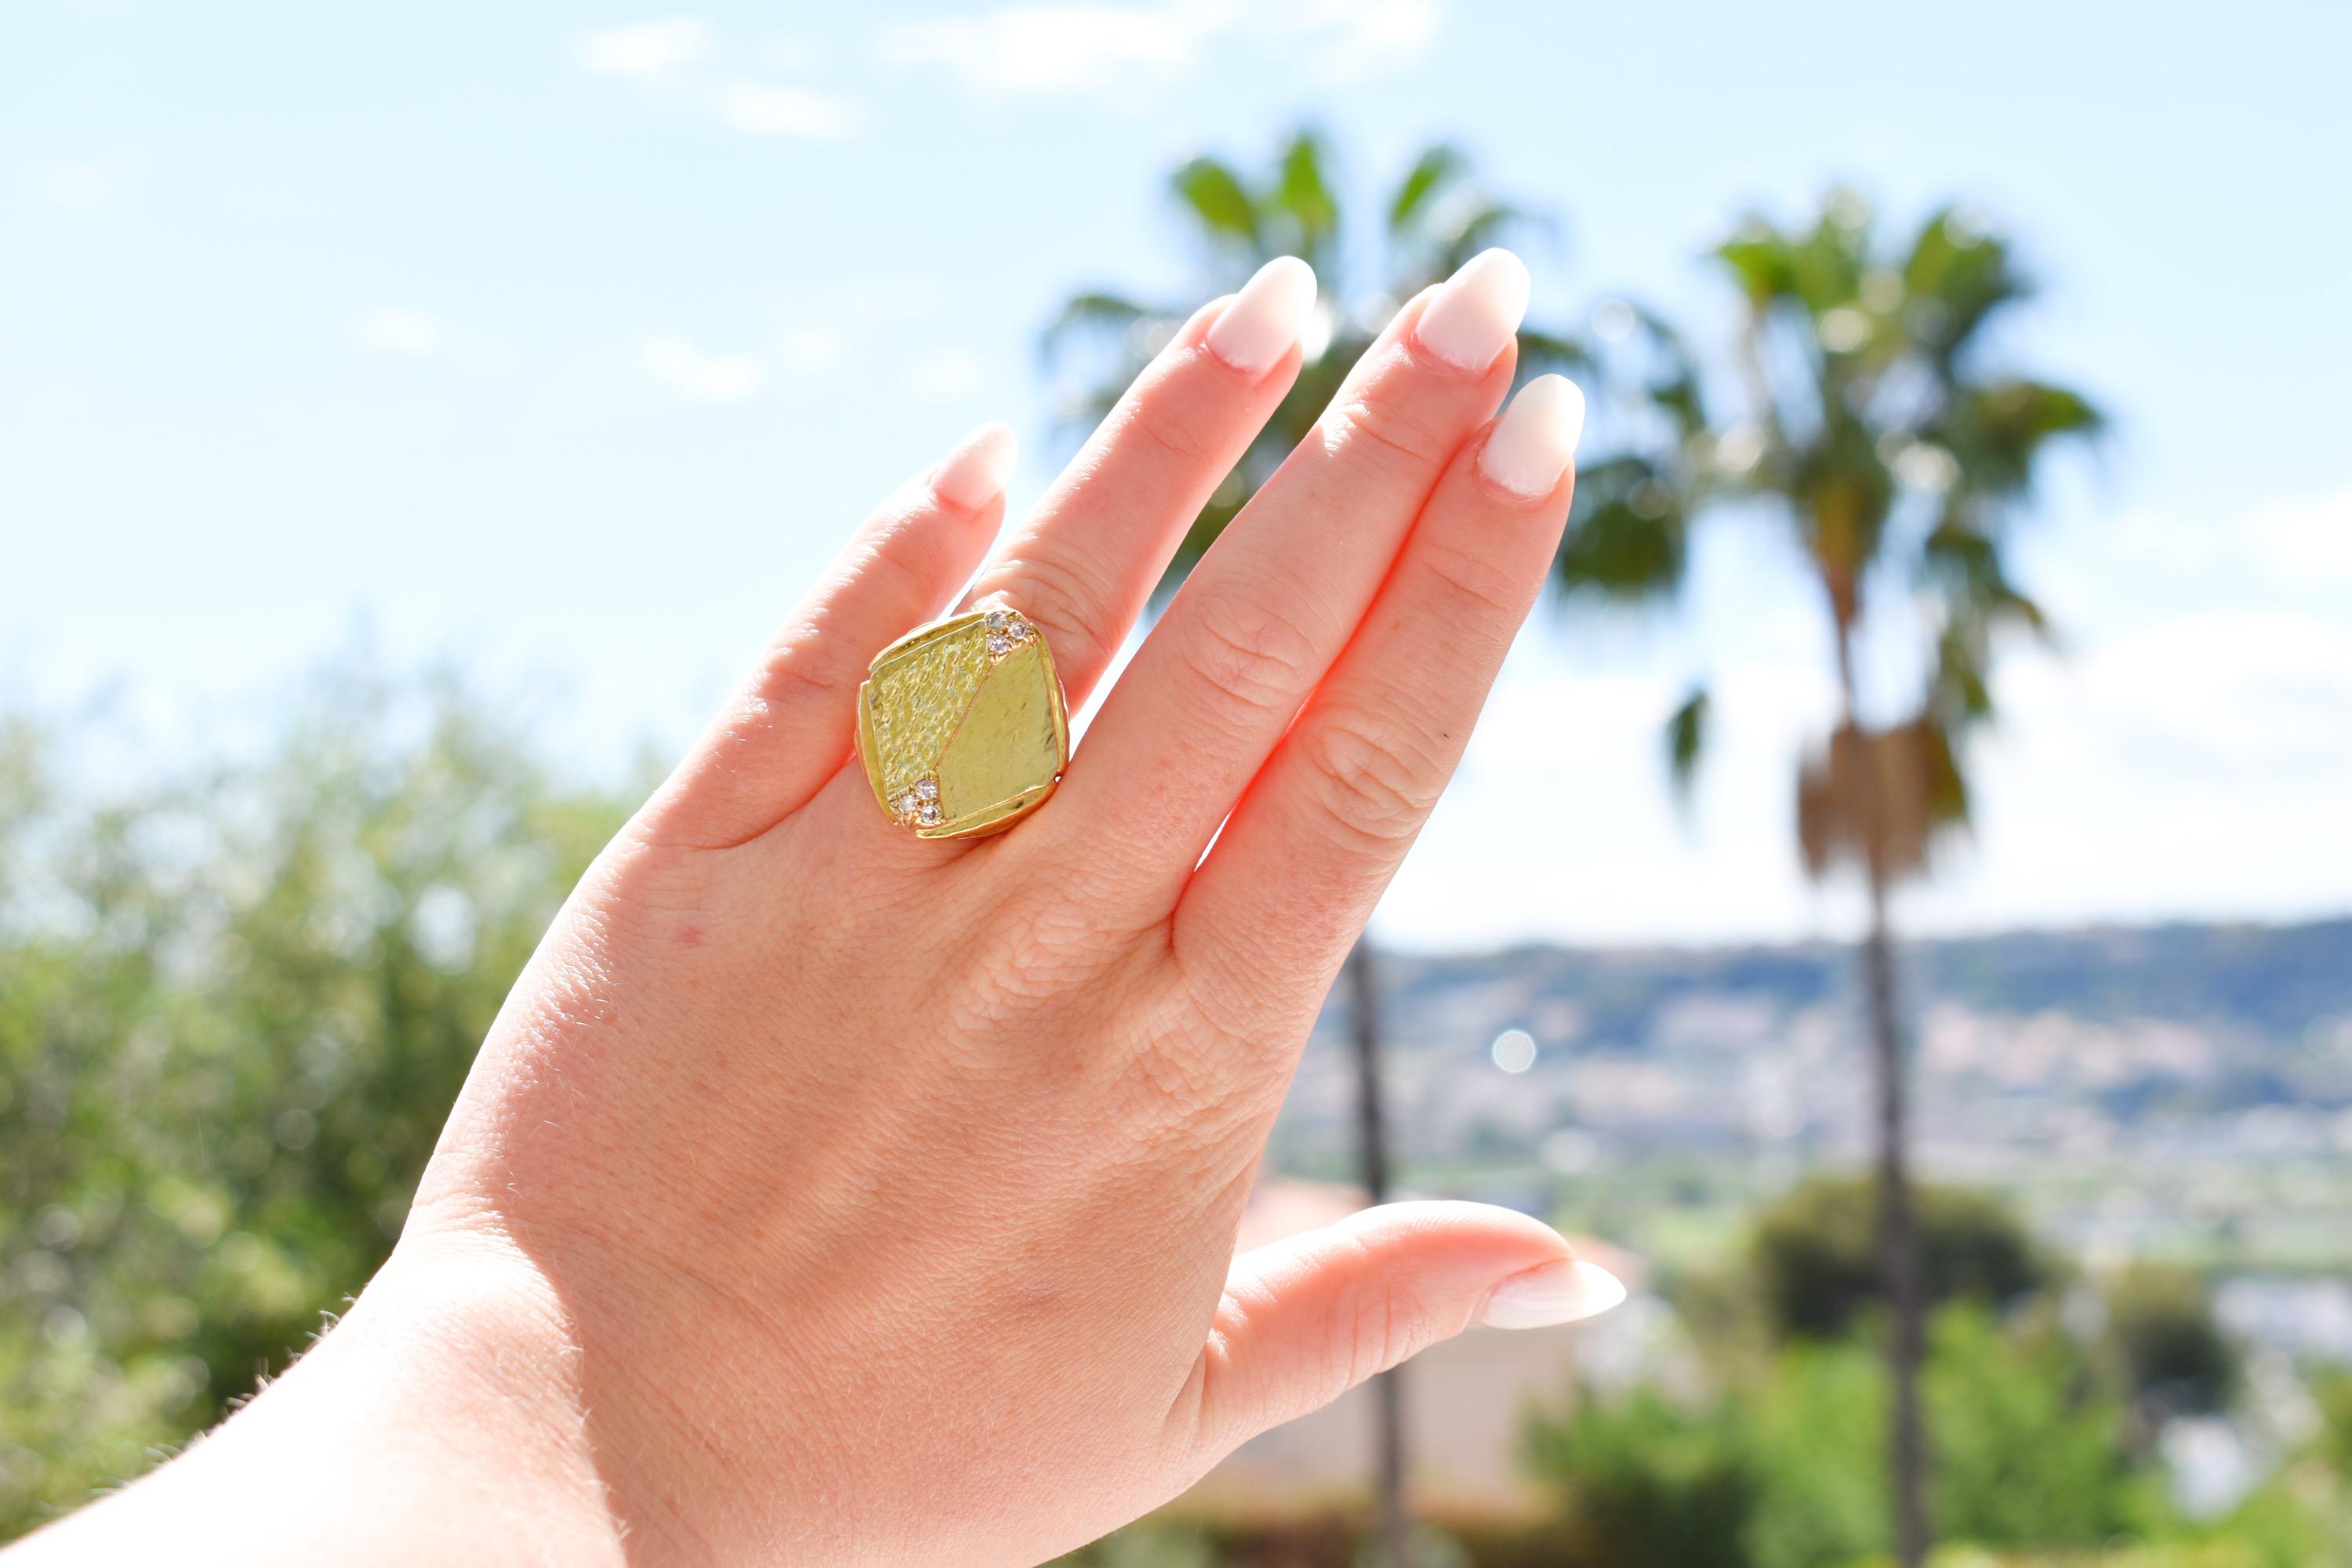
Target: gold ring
<point x="961" y="724"/>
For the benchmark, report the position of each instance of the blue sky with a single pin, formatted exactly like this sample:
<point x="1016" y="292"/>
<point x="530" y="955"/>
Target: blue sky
<point x="569" y="342"/>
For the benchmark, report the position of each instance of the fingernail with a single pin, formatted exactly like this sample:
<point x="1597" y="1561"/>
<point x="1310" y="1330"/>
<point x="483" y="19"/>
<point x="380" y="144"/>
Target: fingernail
<point x="1473" y="313"/>
<point x="1266" y="318"/>
<point x="971" y="475"/>
<point x="1554" y="1293"/>
<point x="1533" y="443"/>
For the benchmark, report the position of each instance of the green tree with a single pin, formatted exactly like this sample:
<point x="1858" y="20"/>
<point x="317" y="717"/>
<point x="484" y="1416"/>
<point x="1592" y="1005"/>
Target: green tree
<point x="1435" y="218"/>
<point x="1874" y="418"/>
<point x="2170" y="1352"/>
<point x="2030" y="1448"/>
<point x="1643" y="1480"/>
<point x="1779" y="1470"/>
<point x="1813" y="1259"/>
<point x="234" y="1009"/>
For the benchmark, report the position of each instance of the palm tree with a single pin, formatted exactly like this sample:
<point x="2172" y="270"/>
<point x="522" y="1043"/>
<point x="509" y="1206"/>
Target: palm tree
<point x="1876" y="423"/>
<point x="1435" y="218"/>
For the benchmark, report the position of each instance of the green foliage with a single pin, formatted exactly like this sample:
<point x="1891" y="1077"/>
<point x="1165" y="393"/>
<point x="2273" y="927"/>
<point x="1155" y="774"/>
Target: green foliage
<point x="1642" y="1482"/>
<point x="2331" y="1393"/>
<point x="1816" y="1258"/>
<point x="1784" y="1468"/>
<point x="234" y="1009"/>
<point x="1816" y="1425"/>
<point x="2171" y="1354"/>
<point x="2029" y="1449"/>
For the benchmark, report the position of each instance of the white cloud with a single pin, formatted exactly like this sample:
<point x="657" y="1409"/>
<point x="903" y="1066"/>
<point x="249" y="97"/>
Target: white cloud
<point x="943" y="378"/>
<point x="388" y="331"/>
<point x="643" y="49"/>
<point x="2298" y="542"/>
<point x="811" y="348"/>
<point x="1079" y="46"/>
<point x="1106" y="50"/>
<point x="2307" y="540"/>
<point x="767" y="110"/>
<point x="659" y="53"/>
<point x="701" y="377"/>
<point x="2241" y="694"/>
<point x="1378" y="38"/>
<point x="83" y="187"/>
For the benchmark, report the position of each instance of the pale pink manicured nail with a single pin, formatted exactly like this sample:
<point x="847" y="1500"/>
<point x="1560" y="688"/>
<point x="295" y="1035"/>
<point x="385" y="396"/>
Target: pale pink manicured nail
<point x="1475" y="312"/>
<point x="1267" y="317"/>
<point x="1533" y="443"/>
<point x="970" y="476"/>
<point x="1554" y="1293"/>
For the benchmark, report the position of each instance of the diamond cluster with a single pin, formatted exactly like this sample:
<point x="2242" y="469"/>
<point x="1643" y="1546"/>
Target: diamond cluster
<point x="1006" y="631"/>
<point x="920" y="804"/>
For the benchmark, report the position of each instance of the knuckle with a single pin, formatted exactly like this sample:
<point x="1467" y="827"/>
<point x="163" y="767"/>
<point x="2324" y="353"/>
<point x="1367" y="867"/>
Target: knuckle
<point x="1171" y="1084"/>
<point x="1368" y="784"/>
<point x="1060" y="596"/>
<point x="1179" y="1079"/>
<point x="795" y="669"/>
<point x="1158" y="417"/>
<point x="1032" y="965"/>
<point x="902" y="550"/>
<point x="1245" y="647"/>
<point x="1386" y="425"/>
<point x="1375" y="1326"/>
<point x="1486" y="589"/>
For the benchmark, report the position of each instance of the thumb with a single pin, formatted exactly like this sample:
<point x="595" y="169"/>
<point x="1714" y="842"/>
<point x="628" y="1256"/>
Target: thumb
<point x="1305" y="1319"/>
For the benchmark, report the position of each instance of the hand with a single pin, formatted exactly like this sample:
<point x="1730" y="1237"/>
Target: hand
<point x="827" y="1195"/>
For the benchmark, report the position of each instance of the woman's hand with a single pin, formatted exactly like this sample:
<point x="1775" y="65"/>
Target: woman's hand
<point x="824" y="1194"/>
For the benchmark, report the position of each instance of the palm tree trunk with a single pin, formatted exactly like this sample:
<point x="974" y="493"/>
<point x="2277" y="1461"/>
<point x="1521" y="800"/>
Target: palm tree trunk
<point x="1393" y="1523"/>
<point x="1898" y="1240"/>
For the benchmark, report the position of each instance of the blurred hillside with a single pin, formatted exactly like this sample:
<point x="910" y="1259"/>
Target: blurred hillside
<point x="2183" y="1091"/>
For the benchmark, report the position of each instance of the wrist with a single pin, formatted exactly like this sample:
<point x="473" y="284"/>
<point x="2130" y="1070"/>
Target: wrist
<point x="439" y="1421"/>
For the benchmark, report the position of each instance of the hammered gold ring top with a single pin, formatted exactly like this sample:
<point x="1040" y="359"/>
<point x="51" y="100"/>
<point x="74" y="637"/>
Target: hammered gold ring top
<point x="961" y="724"/>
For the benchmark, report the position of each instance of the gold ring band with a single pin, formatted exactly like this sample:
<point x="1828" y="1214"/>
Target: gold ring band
<point x="961" y="724"/>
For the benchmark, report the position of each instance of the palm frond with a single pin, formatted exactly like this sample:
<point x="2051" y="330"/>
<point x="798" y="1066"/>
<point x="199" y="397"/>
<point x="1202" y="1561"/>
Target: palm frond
<point x="1686" y="738"/>
<point x="1302" y="193"/>
<point x="1215" y="195"/>
<point x="1955" y="277"/>
<point x="1437" y="168"/>
<point x="1541" y="351"/>
<point x="1094" y="310"/>
<point x="1627" y="531"/>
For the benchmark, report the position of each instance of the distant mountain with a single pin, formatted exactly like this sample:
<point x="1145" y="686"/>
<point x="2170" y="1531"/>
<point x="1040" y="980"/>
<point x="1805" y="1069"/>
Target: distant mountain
<point x="2268" y="981"/>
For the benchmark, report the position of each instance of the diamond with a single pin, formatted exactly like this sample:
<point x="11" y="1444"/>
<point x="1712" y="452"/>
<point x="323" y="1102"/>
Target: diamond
<point x="927" y="789"/>
<point x="996" y="620"/>
<point x="999" y="645"/>
<point x="928" y="813"/>
<point x="1021" y="631"/>
<point x="904" y="805"/>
